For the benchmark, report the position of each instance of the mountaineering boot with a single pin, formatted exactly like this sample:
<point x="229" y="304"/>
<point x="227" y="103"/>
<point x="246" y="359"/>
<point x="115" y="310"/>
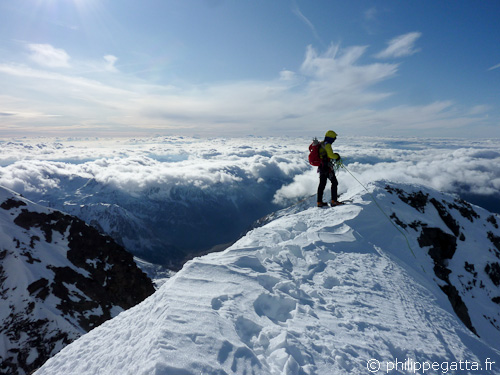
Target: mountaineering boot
<point x="336" y="203"/>
<point x="322" y="204"/>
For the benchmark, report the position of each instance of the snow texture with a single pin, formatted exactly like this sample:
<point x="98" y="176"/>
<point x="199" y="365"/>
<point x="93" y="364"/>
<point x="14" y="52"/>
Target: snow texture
<point x="318" y="291"/>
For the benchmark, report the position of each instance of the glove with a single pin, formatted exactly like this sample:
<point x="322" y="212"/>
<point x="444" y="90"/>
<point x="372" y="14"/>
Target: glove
<point x="337" y="156"/>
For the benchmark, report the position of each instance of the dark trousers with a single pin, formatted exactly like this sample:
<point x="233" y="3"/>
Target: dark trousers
<point x="326" y="173"/>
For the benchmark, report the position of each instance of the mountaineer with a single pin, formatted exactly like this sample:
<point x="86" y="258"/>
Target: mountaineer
<point x="326" y="169"/>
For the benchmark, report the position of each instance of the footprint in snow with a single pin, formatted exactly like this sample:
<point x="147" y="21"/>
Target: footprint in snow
<point x="217" y="302"/>
<point x="247" y="330"/>
<point x="330" y="282"/>
<point x="276" y="308"/>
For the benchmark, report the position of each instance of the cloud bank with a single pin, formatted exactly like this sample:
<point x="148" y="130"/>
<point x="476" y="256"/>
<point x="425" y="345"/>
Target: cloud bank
<point x="162" y="198"/>
<point x="135" y="165"/>
<point x="469" y="169"/>
<point x="337" y="85"/>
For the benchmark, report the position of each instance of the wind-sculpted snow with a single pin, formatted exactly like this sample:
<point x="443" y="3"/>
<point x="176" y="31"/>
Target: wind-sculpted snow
<point x="170" y="198"/>
<point x="315" y="291"/>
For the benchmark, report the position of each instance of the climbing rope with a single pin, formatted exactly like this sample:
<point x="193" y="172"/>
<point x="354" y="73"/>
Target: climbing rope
<point x="341" y="165"/>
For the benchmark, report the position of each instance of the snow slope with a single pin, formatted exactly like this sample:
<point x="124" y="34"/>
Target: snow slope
<point x="320" y="291"/>
<point x="59" y="278"/>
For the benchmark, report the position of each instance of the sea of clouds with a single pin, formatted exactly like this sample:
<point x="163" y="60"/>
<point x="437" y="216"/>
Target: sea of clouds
<point x="195" y="193"/>
<point x="468" y="168"/>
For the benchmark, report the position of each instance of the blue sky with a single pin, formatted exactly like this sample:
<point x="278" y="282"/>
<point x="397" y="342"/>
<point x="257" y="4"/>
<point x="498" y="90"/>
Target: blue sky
<point x="274" y="67"/>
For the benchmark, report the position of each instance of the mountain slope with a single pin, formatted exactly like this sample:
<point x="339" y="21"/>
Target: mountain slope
<point x="319" y="291"/>
<point x="59" y="278"/>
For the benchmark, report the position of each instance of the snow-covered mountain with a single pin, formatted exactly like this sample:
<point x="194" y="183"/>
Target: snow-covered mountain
<point x="398" y="279"/>
<point x="59" y="278"/>
<point x="168" y="228"/>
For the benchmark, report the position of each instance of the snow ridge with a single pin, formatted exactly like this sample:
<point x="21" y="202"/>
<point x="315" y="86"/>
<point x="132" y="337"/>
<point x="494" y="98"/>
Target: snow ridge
<point x="314" y="291"/>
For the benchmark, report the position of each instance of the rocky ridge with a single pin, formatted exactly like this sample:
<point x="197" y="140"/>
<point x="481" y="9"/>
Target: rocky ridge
<point x="59" y="278"/>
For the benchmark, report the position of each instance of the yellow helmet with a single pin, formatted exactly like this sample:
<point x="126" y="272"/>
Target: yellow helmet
<point x="330" y="134"/>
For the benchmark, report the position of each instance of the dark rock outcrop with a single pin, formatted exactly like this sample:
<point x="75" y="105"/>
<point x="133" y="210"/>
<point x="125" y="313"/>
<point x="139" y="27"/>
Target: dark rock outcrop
<point x="442" y="248"/>
<point x="441" y="245"/>
<point x="69" y="279"/>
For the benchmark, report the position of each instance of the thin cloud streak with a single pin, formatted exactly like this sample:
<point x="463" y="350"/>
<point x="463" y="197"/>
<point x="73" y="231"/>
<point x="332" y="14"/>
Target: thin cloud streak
<point x="494" y="67"/>
<point x="296" y="10"/>
<point x="401" y="46"/>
